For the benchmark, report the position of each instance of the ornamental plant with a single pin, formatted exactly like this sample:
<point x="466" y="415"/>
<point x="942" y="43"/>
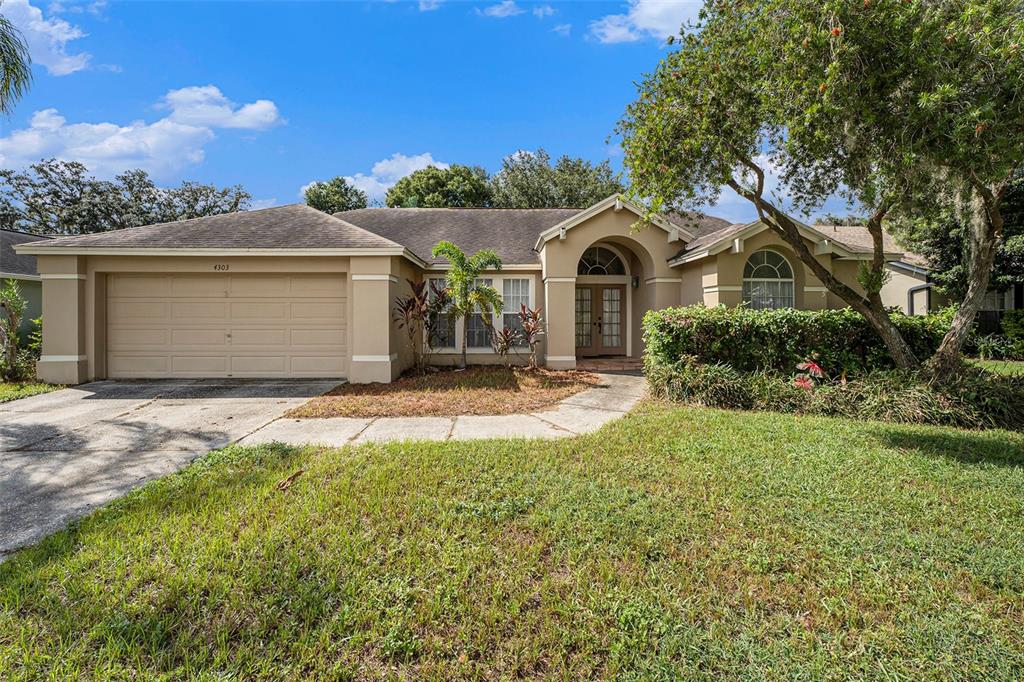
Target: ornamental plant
<point x="533" y="329"/>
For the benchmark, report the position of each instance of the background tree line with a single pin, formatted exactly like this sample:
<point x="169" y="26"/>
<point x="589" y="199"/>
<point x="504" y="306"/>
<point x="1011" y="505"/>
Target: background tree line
<point x="526" y="180"/>
<point x="56" y="197"/>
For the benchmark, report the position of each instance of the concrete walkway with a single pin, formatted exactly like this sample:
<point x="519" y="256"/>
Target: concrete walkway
<point x="582" y="413"/>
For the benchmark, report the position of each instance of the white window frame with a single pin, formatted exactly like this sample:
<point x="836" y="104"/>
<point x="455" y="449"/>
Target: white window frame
<point x="791" y="281"/>
<point x="498" y="282"/>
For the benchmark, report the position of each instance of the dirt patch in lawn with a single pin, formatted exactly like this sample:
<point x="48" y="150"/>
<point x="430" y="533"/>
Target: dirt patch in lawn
<point x="477" y="391"/>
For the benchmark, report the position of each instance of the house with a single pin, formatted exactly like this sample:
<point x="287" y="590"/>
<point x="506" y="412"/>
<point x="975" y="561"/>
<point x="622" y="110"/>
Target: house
<point x="22" y="267"/>
<point x="293" y="292"/>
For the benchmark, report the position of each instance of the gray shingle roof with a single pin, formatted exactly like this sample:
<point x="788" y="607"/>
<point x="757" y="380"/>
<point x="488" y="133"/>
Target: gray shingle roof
<point x="511" y="232"/>
<point x="295" y="226"/>
<point x="11" y="262"/>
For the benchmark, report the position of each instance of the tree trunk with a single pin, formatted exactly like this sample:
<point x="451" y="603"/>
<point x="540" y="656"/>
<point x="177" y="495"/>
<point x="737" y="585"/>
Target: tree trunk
<point x="871" y="307"/>
<point x="986" y="236"/>
<point x="465" y="340"/>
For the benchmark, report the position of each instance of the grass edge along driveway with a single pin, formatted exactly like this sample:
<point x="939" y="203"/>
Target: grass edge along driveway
<point x="675" y="542"/>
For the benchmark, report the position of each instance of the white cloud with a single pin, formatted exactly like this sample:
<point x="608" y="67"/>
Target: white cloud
<point x="206" y="106"/>
<point x="429" y="5"/>
<point x="161" y="147"/>
<point x="563" y="30"/>
<point x="257" y="204"/>
<point x="508" y="8"/>
<point x="47" y="39"/>
<point x="387" y="172"/>
<point x="645" y="19"/>
<point x="541" y="11"/>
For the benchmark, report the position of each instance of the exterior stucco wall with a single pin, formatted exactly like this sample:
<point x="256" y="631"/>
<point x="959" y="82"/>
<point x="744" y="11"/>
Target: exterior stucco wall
<point x="650" y="282"/>
<point x="894" y="292"/>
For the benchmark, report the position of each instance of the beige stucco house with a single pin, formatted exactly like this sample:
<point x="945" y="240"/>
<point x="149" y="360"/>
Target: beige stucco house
<point x="293" y="292"/>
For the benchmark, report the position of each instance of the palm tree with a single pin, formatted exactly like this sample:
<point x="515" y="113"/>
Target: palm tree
<point x="15" y="65"/>
<point x="468" y="296"/>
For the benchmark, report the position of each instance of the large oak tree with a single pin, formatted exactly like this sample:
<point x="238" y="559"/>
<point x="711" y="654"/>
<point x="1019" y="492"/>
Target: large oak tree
<point x="905" y="107"/>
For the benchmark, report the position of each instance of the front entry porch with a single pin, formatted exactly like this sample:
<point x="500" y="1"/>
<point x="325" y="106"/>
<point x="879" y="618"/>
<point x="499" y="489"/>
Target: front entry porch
<point x="600" y="320"/>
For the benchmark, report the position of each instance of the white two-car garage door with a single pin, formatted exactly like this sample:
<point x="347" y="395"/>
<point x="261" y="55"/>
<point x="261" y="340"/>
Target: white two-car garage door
<point x="225" y="325"/>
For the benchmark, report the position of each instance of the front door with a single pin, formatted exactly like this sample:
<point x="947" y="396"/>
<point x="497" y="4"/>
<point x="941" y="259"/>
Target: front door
<point x="600" y="319"/>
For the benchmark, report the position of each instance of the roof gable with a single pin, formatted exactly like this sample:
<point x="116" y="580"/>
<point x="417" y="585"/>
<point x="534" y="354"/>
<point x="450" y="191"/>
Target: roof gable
<point x="615" y="202"/>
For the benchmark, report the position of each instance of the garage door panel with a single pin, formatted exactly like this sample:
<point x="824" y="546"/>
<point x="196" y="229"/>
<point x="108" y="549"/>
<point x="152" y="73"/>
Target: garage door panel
<point x="259" y="310"/>
<point x="119" y="365"/>
<point x="259" y="337"/>
<point x="199" y="365"/>
<point x="199" y="338"/>
<point x="139" y="286"/>
<point x="135" y="310"/>
<point x="317" y="286"/>
<point x="318" y="310"/>
<point x="139" y="338"/>
<point x="312" y="365"/>
<point x="191" y="310"/>
<point x="226" y="326"/>
<point x="260" y="285"/>
<point x="199" y="286"/>
<point x="317" y="337"/>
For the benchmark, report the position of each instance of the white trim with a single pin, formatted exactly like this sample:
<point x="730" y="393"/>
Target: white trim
<point x="19" y="275"/>
<point x="815" y="290"/>
<point x="560" y="358"/>
<point x="904" y="265"/>
<point x="61" y="276"/>
<point x="663" y="280"/>
<point x="375" y="278"/>
<point x="559" y="279"/>
<point x="617" y="202"/>
<point x="375" y="358"/>
<point x="62" y="358"/>
<point x="30" y="249"/>
<point x="714" y="289"/>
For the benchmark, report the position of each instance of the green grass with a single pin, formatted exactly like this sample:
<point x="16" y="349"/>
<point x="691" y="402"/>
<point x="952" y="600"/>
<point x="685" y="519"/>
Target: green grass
<point x="13" y="391"/>
<point x="675" y="543"/>
<point x="1002" y="366"/>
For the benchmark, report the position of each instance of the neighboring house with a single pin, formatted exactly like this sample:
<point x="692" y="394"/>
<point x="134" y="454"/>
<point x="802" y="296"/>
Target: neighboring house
<point x="22" y="267"/>
<point x="293" y="292"/>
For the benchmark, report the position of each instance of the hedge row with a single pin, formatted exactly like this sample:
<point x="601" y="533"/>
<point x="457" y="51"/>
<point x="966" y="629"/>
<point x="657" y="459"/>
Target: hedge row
<point x="972" y="399"/>
<point x="776" y="340"/>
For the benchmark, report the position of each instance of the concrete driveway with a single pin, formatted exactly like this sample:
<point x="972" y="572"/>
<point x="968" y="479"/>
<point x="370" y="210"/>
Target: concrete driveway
<point x="65" y="453"/>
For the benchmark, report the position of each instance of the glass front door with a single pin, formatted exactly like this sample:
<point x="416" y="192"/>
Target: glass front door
<point x="600" y="319"/>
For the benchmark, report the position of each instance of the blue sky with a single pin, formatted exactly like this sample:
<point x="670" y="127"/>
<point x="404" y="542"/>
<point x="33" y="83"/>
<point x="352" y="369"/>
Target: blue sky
<point x="275" y="95"/>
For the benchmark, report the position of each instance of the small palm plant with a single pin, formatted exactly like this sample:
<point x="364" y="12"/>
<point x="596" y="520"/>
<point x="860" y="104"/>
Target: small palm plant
<point x="532" y="325"/>
<point x="468" y="297"/>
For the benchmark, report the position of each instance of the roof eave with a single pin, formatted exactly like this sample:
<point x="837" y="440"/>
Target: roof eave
<point x="34" y="249"/>
<point x="618" y="202"/>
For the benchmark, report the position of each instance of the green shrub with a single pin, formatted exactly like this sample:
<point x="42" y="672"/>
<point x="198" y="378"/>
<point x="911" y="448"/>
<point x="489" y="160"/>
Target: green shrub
<point x="750" y="340"/>
<point x="974" y="398"/>
<point x="1013" y="325"/>
<point x="999" y="347"/>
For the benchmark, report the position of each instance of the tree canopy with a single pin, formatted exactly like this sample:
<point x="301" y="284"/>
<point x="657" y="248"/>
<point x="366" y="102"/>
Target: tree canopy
<point x="528" y="180"/>
<point x="432" y="187"/>
<point x="334" y="196"/>
<point x="61" y="197"/>
<point x="943" y="241"/>
<point x="898" y="106"/>
<point x="15" y="65"/>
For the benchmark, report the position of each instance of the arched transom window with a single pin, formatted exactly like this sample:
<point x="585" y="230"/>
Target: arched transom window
<point x="597" y="260"/>
<point x="767" y="281"/>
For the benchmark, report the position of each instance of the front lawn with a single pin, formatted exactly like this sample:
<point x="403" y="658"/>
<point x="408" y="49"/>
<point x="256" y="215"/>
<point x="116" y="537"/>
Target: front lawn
<point x="13" y="391"/>
<point x="677" y="542"/>
<point x="476" y="390"/>
<point x="1002" y="366"/>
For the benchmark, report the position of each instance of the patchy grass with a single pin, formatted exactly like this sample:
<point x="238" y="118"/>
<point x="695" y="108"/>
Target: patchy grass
<point x="13" y="391"/>
<point x="1013" y="367"/>
<point x="476" y="390"/>
<point x="675" y="543"/>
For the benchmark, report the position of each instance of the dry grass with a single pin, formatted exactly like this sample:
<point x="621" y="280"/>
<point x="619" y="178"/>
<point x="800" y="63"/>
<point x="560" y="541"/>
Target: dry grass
<point x="477" y="391"/>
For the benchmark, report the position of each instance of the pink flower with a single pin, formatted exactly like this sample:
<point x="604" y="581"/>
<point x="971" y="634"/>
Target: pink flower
<point x="803" y="381"/>
<point x="812" y="368"/>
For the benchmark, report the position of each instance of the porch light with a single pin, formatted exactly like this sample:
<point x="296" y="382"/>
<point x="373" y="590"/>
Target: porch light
<point x="636" y="281"/>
